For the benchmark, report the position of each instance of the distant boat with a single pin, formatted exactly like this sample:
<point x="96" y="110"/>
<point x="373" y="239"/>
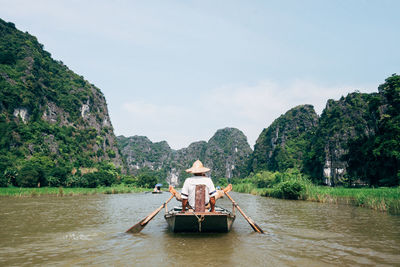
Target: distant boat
<point x="157" y="189"/>
<point x="201" y="222"/>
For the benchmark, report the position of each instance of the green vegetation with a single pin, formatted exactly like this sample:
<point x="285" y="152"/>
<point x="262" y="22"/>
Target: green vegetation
<point x="376" y="158"/>
<point x="355" y="141"/>
<point x="340" y="123"/>
<point x="382" y="198"/>
<point x="288" y="185"/>
<point x="43" y="134"/>
<point x="281" y="146"/>
<point x="293" y="185"/>
<point x="56" y="139"/>
<point x="228" y="150"/>
<point x="361" y="131"/>
<point x="41" y="171"/>
<point x="61" y="191"/>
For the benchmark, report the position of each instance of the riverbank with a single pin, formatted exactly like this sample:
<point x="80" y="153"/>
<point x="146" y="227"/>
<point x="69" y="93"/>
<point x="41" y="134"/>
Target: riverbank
<point x="61" y="191"/>
<point x="382" y="199"/>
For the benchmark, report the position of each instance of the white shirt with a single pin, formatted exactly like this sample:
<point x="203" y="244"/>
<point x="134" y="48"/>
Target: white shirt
<point x="189" y="189"/>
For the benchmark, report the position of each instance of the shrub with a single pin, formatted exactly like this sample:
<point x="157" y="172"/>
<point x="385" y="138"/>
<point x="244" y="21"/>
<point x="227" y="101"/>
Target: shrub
<point x="92" y="179"/>
<point x="105" y="178"/>
<point x="223" y="182"/>
<point x="129" y="180"/>
<point x="29" y="175"/>
<point x="146" y="180"/>
<point x="100" y="153"/>
<point x="3" y="181"/>
<point x="291" y="189"/>
<point x="264" y="179"/>
<point x="53" y="181"/>
<point x="77" y="181"/>
<point x="111" y="153"/>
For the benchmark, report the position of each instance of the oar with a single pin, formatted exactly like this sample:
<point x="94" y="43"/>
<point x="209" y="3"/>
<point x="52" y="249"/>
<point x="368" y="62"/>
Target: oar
<point x="140" y="225"/>
<point x="253" y="225"/>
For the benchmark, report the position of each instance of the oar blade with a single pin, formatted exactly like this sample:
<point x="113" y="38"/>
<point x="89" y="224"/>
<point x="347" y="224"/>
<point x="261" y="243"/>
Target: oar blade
<point x="256" y="228"/>
<point x="140" y="225"/>
<point x="253" y="225"/>
<point x="137" y="227"/>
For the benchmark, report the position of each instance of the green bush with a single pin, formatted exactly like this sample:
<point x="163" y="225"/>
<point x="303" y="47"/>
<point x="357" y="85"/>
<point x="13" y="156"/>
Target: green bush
<point x="3" y="181"/>
<point x="30" y="175"/>
<point x="53" y="181"/>
<point x="146" y="180"/>
<point x="106" y="178"/>
<point x="264" y="179"/>
<point x="129" y="180"/>
<point x="222" y="182"/>
<point x="291" y="189"/>
<point x="92" y="179"/>
<point x="77" y="181"/>
<point x="111" y="153"/>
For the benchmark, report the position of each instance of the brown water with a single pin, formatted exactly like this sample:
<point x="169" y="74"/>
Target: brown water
<point x="89" y="230"/>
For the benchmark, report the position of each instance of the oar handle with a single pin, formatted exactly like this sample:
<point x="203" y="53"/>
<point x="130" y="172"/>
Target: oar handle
<point x="237" y="206"/>
<point x="253" y="225"/>
<point x="154" y="213"/>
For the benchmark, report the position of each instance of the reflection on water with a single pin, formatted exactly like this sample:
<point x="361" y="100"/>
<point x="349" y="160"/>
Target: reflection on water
<point x="89" y="230"/>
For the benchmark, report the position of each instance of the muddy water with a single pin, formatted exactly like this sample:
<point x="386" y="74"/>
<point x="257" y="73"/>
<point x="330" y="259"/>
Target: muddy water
<point x="89" y="230"/>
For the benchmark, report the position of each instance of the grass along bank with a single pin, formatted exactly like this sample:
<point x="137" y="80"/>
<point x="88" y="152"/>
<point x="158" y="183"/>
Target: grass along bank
<point x="293" y="185"/>
<point x="381" y="199"/>
<point x="74" y="191"/>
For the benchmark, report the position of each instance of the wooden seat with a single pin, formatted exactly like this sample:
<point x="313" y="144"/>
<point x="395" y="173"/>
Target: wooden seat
<point x="200" y="198"/>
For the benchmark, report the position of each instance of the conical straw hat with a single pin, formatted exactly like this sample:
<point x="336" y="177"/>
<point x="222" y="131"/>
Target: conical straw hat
<point x="198" y="168"/>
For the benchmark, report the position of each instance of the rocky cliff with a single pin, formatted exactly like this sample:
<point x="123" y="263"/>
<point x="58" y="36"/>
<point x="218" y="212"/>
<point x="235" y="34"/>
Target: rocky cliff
<point x="283" y="144"/>
<point x="352" y="142"/>
<point x="48" y="111"/>
<point x="373" y="156"/>
<point x="341" y="121"/>
<point x="226" y="153"/>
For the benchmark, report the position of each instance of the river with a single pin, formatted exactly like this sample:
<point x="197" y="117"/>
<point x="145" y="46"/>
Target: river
<point x="90" y="230"/>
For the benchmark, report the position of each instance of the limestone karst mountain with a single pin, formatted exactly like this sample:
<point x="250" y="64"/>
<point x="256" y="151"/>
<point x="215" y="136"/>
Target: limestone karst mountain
<point x="48" y="114"/>
<point x="226" y="153"/>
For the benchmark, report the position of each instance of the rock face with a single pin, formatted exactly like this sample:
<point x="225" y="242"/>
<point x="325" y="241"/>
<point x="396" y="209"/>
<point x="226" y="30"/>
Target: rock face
<point x="319" y="146"/>
<point x="48" y="110"/>
<point x="282" y="145"/>
<point x="226" y="153"/>
<point x="140" y="152"/>
<point x="340" y="122"/>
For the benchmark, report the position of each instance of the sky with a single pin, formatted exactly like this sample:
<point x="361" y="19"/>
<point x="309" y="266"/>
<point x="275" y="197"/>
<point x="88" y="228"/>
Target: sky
<point x="180" y="70"/>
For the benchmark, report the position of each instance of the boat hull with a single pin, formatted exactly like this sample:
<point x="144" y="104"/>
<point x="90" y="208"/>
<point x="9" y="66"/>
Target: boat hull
<point x="204" y="222"/>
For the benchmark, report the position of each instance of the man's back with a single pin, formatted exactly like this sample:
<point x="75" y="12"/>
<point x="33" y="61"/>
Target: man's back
<point x="189" y="188"/>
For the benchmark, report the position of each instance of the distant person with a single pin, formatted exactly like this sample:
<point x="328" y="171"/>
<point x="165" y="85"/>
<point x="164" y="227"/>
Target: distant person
<point x="189" y="187"/>
<point x="157" y="188"/>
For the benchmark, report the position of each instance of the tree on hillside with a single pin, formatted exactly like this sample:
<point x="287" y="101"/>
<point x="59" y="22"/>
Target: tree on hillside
<point x="376" y="159"/>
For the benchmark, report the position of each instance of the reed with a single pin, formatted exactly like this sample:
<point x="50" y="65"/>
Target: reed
<point x="381" y="199"/>
<point x="252" y="189"/>
<point x="61" y="191"/>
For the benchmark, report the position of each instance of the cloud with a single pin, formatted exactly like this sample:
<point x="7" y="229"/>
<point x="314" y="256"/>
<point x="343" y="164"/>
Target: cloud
<point x="249" y="108"/>
<point x="178" y="124"/>
<point x="156" y="116"/>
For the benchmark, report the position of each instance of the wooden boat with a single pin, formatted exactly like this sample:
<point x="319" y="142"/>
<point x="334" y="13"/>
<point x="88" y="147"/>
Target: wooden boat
<point x="157" y="189"/>
<point x="220" y="221"/>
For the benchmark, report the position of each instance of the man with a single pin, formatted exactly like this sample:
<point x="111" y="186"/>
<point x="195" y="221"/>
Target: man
<point x="189" y="187"/>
